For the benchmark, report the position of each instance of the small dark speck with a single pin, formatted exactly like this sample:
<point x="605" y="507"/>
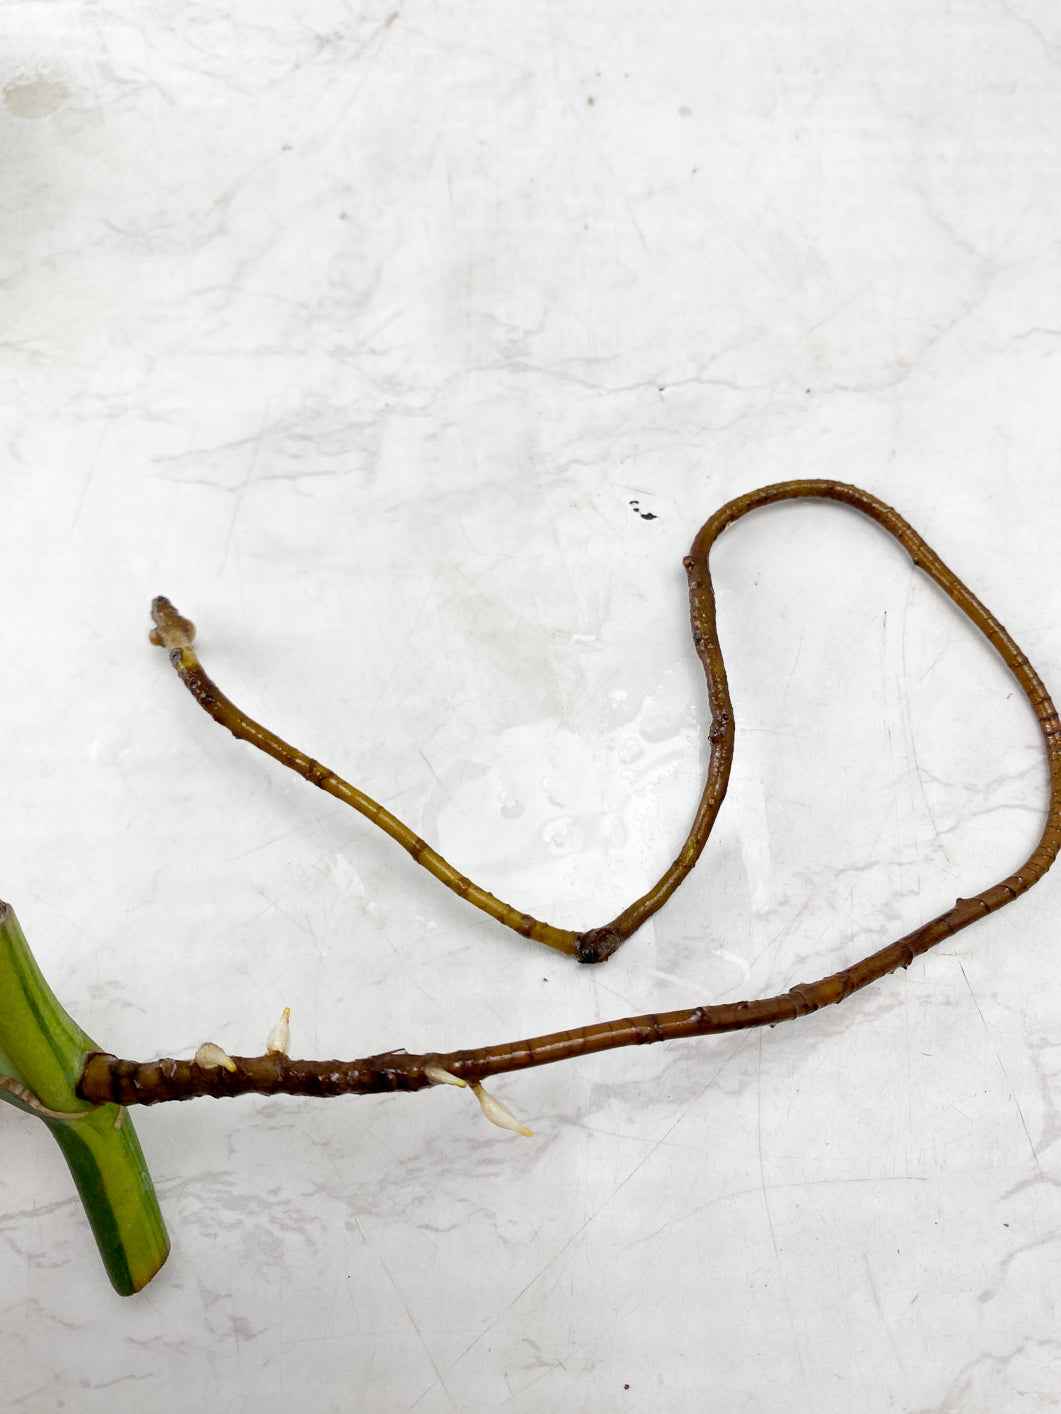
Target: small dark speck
<point x="647" y="515"/>
<point x="591" y="100"/>
<point x="626" y="1386"/>
<point x="285" y="147"/>
<point x="807" y="390"/>
<point x="342" y="215"/>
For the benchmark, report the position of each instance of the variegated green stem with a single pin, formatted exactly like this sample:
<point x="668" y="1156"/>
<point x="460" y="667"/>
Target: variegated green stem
<point x="42" y="1052"/>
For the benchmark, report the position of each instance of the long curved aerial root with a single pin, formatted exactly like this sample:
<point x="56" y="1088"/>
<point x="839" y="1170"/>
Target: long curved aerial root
<point x="106" y="1078"/>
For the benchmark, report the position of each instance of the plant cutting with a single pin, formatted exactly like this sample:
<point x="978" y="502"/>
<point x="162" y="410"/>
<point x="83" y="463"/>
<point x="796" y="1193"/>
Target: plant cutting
<point x="51" y="1069"/>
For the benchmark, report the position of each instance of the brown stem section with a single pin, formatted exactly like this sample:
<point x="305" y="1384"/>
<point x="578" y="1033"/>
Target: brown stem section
<point x="105" y="1078"/>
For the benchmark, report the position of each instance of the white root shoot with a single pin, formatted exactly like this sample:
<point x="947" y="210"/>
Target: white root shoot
<point x="438" y="1076"/>
<point x="497" y="1113"/>
<point x="280" y="1036"/>
<point x="210" y="1056"/>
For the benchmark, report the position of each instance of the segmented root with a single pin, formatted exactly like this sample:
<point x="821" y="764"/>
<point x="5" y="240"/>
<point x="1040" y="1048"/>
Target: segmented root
<point x="105" y="1078"/>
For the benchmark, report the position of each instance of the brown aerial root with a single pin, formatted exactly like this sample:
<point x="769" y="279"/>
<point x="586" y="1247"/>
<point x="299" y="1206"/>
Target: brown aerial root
<point x="105" y="1078"/>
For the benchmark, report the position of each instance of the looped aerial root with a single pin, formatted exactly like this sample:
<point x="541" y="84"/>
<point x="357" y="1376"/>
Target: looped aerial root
<point x="127" y="1082"/>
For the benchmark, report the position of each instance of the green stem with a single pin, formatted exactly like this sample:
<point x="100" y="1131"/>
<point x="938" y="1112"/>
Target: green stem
<point x="42" y="1051"/>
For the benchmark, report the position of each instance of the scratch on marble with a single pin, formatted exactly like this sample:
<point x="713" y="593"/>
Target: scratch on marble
<point x="733" y="1194"/>
<point x="1001" y="1066"/>
<point x="576" y="1237"/>
<point x="911" y="736"/>
<point x="241" y="489"/>
<point x="88" y="482"/>
<point x="410" y="1317"/>
<point x="764" y="1187"/>
<point x="895" y="1347"/>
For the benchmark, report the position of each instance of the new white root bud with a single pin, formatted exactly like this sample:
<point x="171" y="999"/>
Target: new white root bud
<point x="280" y="1036"/>
<point x="210" y="1056"/>
<point x="438" y="1076"/>
<point x="497" y="1113"/>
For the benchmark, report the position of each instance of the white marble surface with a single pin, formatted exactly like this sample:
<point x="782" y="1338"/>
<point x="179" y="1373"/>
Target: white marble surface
<point x="359" y="331"/>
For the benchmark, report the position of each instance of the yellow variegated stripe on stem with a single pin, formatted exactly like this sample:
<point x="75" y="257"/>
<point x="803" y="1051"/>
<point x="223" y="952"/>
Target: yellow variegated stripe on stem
<point x="42" y="1051"/>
